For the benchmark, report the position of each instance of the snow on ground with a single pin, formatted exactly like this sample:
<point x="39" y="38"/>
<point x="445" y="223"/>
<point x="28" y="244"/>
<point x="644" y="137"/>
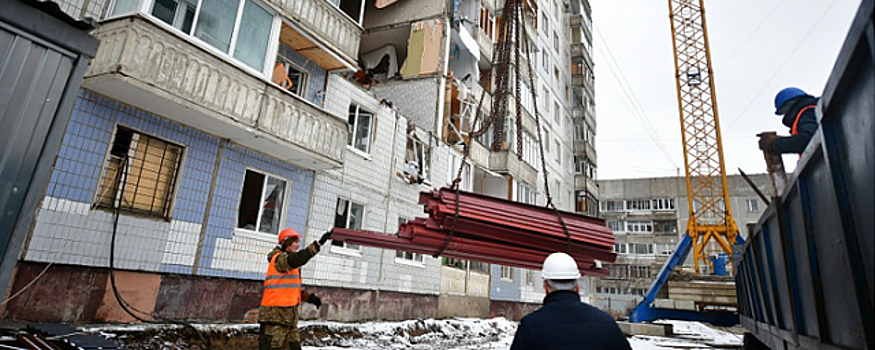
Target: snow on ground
<point x="703" y="332"/>
<point x="429" y="334"/>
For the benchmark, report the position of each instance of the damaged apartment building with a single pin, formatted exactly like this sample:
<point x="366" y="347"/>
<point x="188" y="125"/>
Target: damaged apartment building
<point x="207" y="127"/>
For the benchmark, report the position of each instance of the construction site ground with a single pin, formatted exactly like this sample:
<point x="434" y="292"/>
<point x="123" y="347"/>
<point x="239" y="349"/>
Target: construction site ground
<point x="429" y="334"/>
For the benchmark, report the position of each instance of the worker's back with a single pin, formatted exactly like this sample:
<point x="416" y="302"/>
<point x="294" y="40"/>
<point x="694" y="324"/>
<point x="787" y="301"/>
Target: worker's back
<point x="566" y="323"/>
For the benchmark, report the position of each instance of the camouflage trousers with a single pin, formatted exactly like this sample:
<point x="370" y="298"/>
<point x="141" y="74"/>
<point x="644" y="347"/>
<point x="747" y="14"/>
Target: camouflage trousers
<point x="274" y="336"/>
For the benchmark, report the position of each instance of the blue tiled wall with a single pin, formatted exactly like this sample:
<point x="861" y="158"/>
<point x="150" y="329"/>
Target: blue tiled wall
<point x="502" y="290"/>
<point x="86" y="143"/>
<point x="77" y="171"/>
<point x="316" y="83"/>
<point x="223" y="213"/>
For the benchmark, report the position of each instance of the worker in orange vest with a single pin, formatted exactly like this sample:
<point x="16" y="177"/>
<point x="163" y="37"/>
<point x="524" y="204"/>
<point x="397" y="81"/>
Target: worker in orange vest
<point x="798" y="111"/>
<point x="278" y="314"/>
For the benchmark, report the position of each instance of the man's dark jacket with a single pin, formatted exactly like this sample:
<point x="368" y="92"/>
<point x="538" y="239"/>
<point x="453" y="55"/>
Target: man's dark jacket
<point x="566" y="323"/>
<point x="805" y="128"/>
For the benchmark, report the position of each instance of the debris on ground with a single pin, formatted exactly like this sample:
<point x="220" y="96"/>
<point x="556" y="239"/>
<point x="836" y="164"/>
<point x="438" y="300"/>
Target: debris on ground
<point x="428" y="334"/>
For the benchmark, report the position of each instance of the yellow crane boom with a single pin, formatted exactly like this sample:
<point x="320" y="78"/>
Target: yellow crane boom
<point x="710" y="212"/>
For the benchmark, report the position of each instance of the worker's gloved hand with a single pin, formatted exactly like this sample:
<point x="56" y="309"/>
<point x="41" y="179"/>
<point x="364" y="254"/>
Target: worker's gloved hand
<point x="313" y="299"/>
<point x="767" y="141"/>
<point x="325" y="237"/>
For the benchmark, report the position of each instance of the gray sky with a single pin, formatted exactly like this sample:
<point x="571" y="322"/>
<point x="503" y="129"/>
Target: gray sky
<point x="757" y="48"/>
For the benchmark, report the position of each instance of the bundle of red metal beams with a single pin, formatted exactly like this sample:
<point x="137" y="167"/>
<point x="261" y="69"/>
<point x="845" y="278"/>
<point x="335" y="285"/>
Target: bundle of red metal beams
<point x="495" y="230"/>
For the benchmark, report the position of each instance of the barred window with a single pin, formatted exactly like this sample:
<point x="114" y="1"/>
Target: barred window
<point x="139" y="174"/>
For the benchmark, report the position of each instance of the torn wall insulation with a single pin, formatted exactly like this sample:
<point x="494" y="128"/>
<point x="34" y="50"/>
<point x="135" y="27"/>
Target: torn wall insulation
<point x="415" y="99"/>
<point x="423" y="49"/>
<point x="372" y="60"/>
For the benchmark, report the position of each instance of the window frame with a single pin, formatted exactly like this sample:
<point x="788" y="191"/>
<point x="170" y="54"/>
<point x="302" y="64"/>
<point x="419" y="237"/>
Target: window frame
<point x="343" y="247"/>
<point x="103" y="173"/>
<point x="753" y="205"/>
<point x="354" y="127"/>
<point x="283" y="215"/>
<point x="507" y="277"/>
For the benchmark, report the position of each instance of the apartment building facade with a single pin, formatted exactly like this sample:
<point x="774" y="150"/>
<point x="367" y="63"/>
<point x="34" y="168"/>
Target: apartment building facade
<point x="208" y="126"/>
<point x="649" y="217"/>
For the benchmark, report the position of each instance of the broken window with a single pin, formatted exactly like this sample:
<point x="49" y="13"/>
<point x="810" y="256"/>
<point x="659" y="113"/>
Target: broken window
<point x="146" y="183"/>
<point x="289" y="77"/>
<point x="581" y="204"/>
<point x="530" y="278"/>
<point x="557" y="114"/>
<point x="415" y="257"/>
<point x="360" y="123"/>
<point x="261" y="203"/>
<point x="417" y="159"/>
<point x="352" y="8"/>
<point x="454" y="161"/>
<point x="558" y="154"/>
<point x="348" y="215"/>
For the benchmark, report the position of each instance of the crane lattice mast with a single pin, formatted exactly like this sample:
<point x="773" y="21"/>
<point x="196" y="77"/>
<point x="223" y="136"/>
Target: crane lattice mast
<point x="710" y="213"/>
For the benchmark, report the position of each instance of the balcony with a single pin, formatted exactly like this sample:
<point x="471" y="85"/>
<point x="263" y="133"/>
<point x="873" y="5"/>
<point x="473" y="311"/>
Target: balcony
<point x="585" y="148"/>
<point x="486" y="107"/>
<point x="142" y="64"/>
<point x="579" y="50"/>
<point x="325" y="22"/>
<point x="486" y="45"/>
<point x="582" y="182"/>
<point x="507" y="162"/>
<point x="479" y="154"/>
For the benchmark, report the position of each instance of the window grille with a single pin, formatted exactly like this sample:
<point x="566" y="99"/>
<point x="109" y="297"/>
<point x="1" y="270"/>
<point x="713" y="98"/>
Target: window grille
<point x="140" y="174"/>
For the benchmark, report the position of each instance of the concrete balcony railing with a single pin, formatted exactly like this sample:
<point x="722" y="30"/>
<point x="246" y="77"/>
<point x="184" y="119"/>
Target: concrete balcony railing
<point x="507" y="162"/>
<point x="580" y="50"/>
<point x="325" y="22"/>
<point x="582" y="182"/>
<point x="144" y="65"/>
<point x="486" y="46"/>
<point x="479" y="154"/>
<point x="486" y="107"/>
<point x="585" y="148"/>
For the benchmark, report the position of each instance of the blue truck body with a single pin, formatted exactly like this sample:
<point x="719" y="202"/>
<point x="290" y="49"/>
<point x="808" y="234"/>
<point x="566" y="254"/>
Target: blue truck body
<point x="804" y="277"/>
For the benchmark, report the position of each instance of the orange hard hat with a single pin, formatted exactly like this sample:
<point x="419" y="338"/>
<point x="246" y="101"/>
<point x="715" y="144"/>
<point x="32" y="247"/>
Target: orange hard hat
<point x="288" y="233"/>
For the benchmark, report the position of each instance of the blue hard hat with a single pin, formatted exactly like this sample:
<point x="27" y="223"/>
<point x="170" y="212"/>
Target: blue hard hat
<point x="786" y="95"/>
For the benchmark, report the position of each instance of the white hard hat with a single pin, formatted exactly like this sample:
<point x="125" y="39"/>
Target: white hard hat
<point x="560" y="266"/>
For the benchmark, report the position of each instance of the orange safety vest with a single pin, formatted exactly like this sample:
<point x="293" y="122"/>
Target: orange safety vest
<point x="794" y="131"/>
<point x="281" y="289"/>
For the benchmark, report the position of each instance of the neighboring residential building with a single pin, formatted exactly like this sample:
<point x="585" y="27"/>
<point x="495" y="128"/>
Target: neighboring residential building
<point x="648" y="217"/>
